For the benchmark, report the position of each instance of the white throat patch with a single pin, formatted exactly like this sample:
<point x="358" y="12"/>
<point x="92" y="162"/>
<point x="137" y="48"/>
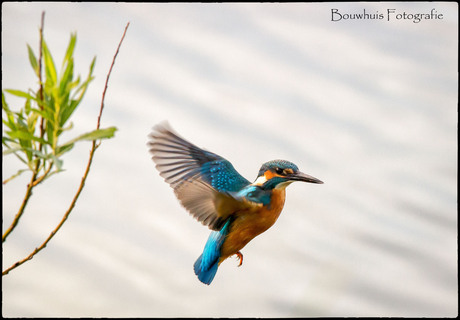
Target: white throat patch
<point x="260" y="181"/>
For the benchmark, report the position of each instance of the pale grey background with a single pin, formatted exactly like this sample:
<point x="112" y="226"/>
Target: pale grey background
<point x="367" y="106"/>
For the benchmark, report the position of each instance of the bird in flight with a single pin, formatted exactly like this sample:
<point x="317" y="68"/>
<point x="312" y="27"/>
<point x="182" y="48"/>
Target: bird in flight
<point x="215" y="194"/>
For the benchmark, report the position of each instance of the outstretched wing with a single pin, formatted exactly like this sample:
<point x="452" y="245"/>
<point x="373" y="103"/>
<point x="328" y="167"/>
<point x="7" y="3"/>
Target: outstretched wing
<point x="202" y="180"/>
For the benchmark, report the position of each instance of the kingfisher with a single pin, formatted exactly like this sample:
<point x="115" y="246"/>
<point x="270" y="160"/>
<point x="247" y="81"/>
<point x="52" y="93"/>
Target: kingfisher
<point x="208" y="186"/>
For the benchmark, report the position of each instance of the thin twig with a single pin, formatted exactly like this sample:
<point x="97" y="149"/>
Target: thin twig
<point x="32" y="182"/>
<point x="18" y="215"/>
<point x="40" y="91"/>
<point x="82" y="183"/>
<point x="43" y="176"/>
<point x="108" y="75"/>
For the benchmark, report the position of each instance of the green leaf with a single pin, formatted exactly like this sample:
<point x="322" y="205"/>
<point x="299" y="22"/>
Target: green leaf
<point x="33" y="61"/>
<point x="32" y="121"/>
<point x="27" y="107"/>
<point x="91" y="67"/>
<point x="70" y="48"/>
<point x="45" y="114"/>
<point x="68" y="63"/>
<point x="49" y="129"/>
<point x="14" y="146"/>
<point x="63" y="149"/>
<point x="37" y="153"/>
<point x="69" y="127"/>
<point x="4" y="103"/>
<point x="24" y="135"/>
<point x="14" y="149"/>
<point x="97" y="134"/>
<point x="11" y="123"/>
<point x="81" y="90"/>
<point x="57" y="162"/>
<point x="50" y="69"/>
<point x="66" y="79"/>
<point x="20" y="94"/>
<point x="19" y="117"/>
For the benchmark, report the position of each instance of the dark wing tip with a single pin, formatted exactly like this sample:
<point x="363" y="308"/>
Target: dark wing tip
<point x="160" y="131"/>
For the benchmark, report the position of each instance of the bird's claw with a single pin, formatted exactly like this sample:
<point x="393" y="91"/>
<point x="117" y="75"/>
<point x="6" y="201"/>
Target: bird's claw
<point x="240" y="257"/>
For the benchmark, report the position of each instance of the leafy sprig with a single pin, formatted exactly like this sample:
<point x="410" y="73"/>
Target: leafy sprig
<point x="33" y="132"/>
<point x="54" y="102"/>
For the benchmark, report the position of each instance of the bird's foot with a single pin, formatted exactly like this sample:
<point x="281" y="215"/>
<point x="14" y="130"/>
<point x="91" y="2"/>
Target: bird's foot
<point x="240" y="257"/>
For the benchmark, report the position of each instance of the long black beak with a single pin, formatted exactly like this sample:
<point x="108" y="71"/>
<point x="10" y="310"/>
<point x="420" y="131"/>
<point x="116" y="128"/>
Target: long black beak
<point x="300" y="176"/>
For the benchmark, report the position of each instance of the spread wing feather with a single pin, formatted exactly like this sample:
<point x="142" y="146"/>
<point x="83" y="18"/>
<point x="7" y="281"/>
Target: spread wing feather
<point x="202" y="180"/>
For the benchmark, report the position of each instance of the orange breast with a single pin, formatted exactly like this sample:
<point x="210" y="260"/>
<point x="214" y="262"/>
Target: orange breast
<point x="251" y="222"/>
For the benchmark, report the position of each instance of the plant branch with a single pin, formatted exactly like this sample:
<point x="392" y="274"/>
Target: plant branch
<point x="40" y="91"/>
<point x="21" y="209"/>
<point x="43" y="176"/>
<point x="85" y="175"/>
<point x="32" y="183"/>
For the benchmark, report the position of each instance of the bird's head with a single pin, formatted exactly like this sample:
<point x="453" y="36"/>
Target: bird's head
<point x="279" y="174"/>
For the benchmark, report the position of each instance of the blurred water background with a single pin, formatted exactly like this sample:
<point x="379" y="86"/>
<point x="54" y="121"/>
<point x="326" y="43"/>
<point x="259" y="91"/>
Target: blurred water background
<point x="368" y="106"/>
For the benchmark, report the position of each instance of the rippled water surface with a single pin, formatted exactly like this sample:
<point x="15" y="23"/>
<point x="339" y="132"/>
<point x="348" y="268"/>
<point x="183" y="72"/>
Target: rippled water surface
<point x="368" y="106"/>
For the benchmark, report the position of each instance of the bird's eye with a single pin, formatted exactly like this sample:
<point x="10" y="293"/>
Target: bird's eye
<point x="279" y="170"/>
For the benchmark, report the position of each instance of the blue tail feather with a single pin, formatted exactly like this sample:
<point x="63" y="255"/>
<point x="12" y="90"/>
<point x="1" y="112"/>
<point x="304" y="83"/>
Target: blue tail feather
<point x="207" y="263"/>
<point x="205" y="276"/>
